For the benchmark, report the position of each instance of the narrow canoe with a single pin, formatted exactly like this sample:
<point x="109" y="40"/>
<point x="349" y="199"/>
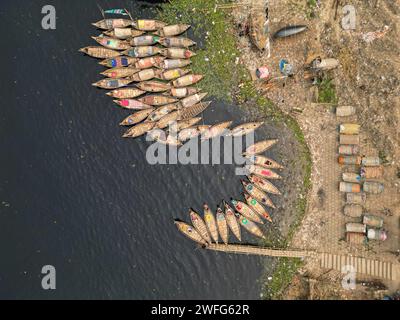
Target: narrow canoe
<point x="265" y="162"/>
<point x="174" y="63"/>
<point x="142" y="52"/>
<point x="245" y="128"/>
<point x="193" y="111"/>
<point x="250" y="226"/>
<point x="123" y="33"/>
<point x="177" y="42"/>
<point x="112" y="43"/>
<point x="139" y="130"/>
<point x="111" y="83"/>
<point x="149" y="62"/>
<point x="107" y="24"/>
<point x="260" y="147"/>
<point x="119" y="72"/>
<point x="136" y="117"/>
<point x="171" y="140"/>
<point x="187" y="80"/>
<point x="203" y="128"/>
<point x="145" y="74"/>
<point x="148" y="25"/>
<point x="172" y="30"/>
<point x="262" y="172"/>
<point x="153" y="86"/>
<point x="160" y="112"/>
<point x="100" y="52"/>
<point x="222" y="225"/>
<point x="211" y="223"/>
<point x="125" y="93"/>
<point x="183" y="124"/>
<point x="188" y="133"/>
<point x="263" y="184"/>
<point x="246" y="211"/>
<point x="132" y="104"/>
<point x="177" y="53"/>
<point x="216" y="130"/>
<point x="172" y="74"/>
<point x="199" y="225"/>
<point x="190" y="232"/>
<point x="156" y="135"/>
<point x="258" y="194"/>
<point x="192" y="100"/>
<point x="257" y="207"/>
<point x="118" y="62"/>
<point x="183" y="92"/>
<point x="168" y="119"/>
<point x="146" y="40"/>
<point x="157" y="100"/>
<point x="232" y="221"/>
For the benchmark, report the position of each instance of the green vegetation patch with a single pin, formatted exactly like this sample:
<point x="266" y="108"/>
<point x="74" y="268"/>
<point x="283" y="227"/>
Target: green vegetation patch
<point x="326" y="91"/>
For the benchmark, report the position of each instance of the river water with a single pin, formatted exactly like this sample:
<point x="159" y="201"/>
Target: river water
<point x="75" y="195"/>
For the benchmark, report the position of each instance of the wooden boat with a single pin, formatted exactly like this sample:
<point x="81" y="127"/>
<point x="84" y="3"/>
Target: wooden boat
<point x="210" y="222"/>
<point x="107" y="24"/>
<point x="139" y="129"/>
<point x="246" y="211"/>
<point x="112" y="43"/>
<point x="183" y="124"/>
<point x="183" y="92"/>
<point x="156" y="134"/>
<point x="259" y="147"/>
<point x="160" y="112"/>
<point x="192" y="100"/>
<point x="172" y="74"/>
<point x="125" y="93"/>
<point x="153" y="86"/>
<point x="149" y="62"/>
<point x="120" y="72"/>
<point x="250" y="226"/>
<point x="145" y="74"/>
<point x="123" y="33"/>
<point x="148" y="25"/>
<point x="110" y="83"/>
<point x="118" y="62"/>
<point x="157" y="100"/>
<point x="136" y="117"/>
<point x="222" y="225"/>
<point x="141" y="52"/>
<point x="172" y="30"/>
<point x="132" y="104"/>
<point x="263" y="184"/>
<point x="199" y="225"/>
<point x="187" y="80"/>
<point x="203" y="128"/>
<point x="256" y="193"/>
<point x="174" y="63"/>
<point x="172" y="140"/>
<point x="216" y="130"/>
<point x="177" y="42"/>
<point x="265" y="162"/>
<point x="262" y="172"/>
<point x="100" y="52"/>
<point x="245" y="128"/>
<point x="190" y="232"/>
<point x="188" y="133"/>
<point x="167" y="120"/>
<point x="190" y="112"/>
<point x="177" y="53"/>
<point x="146" y="40"/>
<point x="257" y="207"/>
<point x="232" y="222"/>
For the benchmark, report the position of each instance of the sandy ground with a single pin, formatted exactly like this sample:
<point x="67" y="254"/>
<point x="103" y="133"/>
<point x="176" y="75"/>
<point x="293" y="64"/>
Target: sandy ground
<point x="367" y="78"/>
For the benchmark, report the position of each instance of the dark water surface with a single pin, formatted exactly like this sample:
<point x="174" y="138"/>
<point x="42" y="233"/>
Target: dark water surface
<point x="75" y="195"/>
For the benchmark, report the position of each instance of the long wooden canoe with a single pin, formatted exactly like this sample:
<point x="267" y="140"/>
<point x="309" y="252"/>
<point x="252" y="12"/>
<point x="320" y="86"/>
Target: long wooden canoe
<point x="145" y="74"/>
<point x="100" y="52"/>
<point x="136" y="117"/>
<point x="177" y="53"/>
<point x="107" y="24"/>
<point x="222" y="225"/>
<point x="160" y="112"/>
<point x="149" y="62"/>
<point x="250" y="226"/>
<point x="174" y="63"/>
<point x="262" y="172"/>
<point x="158" y="100"/>
<point x="190" y="232"/>
<point x="263" y="184"/>
<point x="119" y="72"/>
<point x="172" y="30"/>
<point x="187" y="80"/>
<point x="211" y="224"/>
<point x="184" y="124"/>
<point x="188" y="133"/>
<point x="245" y="128"/>
<point x="183" y="92"/>
<point x="192" y="100"/>
<point x="260" y="147"/>
<point x="172" y="74"/>
<point x="142" y="52"/>
<point x="121" y="61"/>
<point x="257" y="207"/>
<point x="190" y="112"/>
<point x="139" y="129"/>
<point x="123" y="33"/>
<point x="252" y="190"/>
<point x="215" y="130"/>
<point x="153" y="86"/>
<point x="144" y="40"/>
<point x="132" y="104"/>
<point x="265" y="162"/>
<point x="112" y="43"/>
<point x="148" y="24"/>
<point x="232" y="221"/>
<point x="126" y="93"/>
<point x="199" y="225"/>
<point x="168" y="119"/>
<point x="110" y="83"/>
<point x="246" y="211"/>
<point x="177" y="42"/>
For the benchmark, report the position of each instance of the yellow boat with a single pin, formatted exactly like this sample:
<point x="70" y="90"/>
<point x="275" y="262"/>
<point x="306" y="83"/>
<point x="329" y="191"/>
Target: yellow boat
<point x="211" y="224"/>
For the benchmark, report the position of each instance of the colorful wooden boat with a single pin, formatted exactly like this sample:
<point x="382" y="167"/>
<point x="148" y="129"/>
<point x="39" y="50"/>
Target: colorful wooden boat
<point x="199" y="225"/>
<point x="166" y="120"/>
<point x="111" y="83"/>
<point x="146" y="40"/>
<point x="210" y="222"/>
<point x="183" y="92"/>
<point x="160" y="112"/>
<point x="149" y="62"/>
<point x="139" y="129"/>
<point x="257" y="207"/>
<point x="192" y="100"/>
<point x="123" y="33"/>
<point x="107" y="24"/>
<point x="245" y="128"/>
<point x="136" y="117"/>
<point x="157" y="100"/>
<point x="172" y="30"/>
<point x="119" y="72"/>
<point x="232" y="221"/>
<point x="112" y="43"/>
<point x="265" y="162"/>
<point x="263" y="184"/>
<point x="177" y="53"/>
<point x="116" y="62"/>
<point x="188" y="133"/>
<point x="216" y="130"/>
<point x="145" y="74"/>
<point x="141" y="52"/>
<point x="262" y="172"/>
<point x="100" y="52"/>
<point x="183" y="124"/>
<point x="260" y="147"/>
<point x="174" y="63"/>
<point x="132" y="104"/>
<point x="177" y="42"/>
<point x="190" y="112"/>
<point x="190" y="232"/>
<point x="187" y="80"/>
<point x="256" y="193"/>
<point x="250" y="226"/>
<point x="246" y="211"/>
<point x="148" y="24"/>
<point x="153" y="86"/>
<point x="125" y="93"/>
<point x="222" y="225"/>
<point x="172" y="74"/>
